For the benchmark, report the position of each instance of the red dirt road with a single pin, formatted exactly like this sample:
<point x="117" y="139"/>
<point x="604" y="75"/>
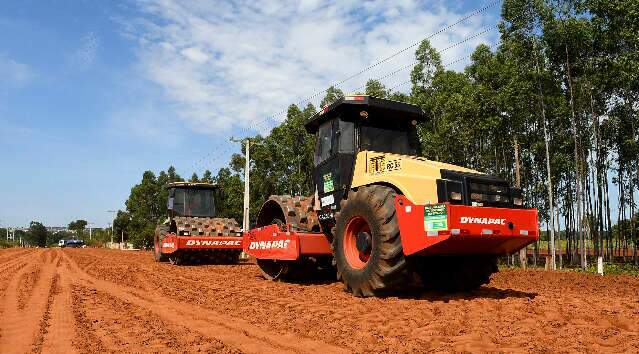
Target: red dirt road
<point x="84" y="300"/>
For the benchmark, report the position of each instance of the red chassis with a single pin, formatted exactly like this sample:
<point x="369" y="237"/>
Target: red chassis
<point x="173" y="242"/>
<point x="446" y="229"/>
<point x="438" y="229"/>
<point x="270" y="242"/>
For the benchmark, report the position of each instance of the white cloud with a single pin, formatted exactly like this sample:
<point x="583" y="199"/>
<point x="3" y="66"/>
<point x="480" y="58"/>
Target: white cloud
<point x="226" y="65"/>
<point x="195" y="54"/>
<point x="14" y="73"/>
<point x="85" y="56"/>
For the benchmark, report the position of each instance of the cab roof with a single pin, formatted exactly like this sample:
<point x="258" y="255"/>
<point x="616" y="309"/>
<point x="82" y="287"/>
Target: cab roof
<point x="379" y="110"/>
<point x="192" y="185"/>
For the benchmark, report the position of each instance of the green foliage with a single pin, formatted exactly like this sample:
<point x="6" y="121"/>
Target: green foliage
<point x="4" y="243"/>
<point x="572" y="67"/>
<point x="207" y="177"/>
<point x="37" y="234"/>
<point x="54" y="237"/>
<point x="376" y="89"/>
<point x="611" y="269"/>
<point x="78" y="225"/>
<point x="145" y="208"/>
<point x="332" y="95"/>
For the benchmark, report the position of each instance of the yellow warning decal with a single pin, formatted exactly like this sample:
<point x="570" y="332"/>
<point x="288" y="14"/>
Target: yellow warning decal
<point x="379" y="164"/>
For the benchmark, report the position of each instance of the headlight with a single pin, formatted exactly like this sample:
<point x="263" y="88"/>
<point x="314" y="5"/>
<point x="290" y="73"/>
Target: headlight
<point x="455" y="196"/>
<point x="517" y="195"/>
<point x="477" y="196"/>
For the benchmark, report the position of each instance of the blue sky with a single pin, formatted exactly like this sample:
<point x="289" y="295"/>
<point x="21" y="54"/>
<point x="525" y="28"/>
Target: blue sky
<point x="92" y="93"/>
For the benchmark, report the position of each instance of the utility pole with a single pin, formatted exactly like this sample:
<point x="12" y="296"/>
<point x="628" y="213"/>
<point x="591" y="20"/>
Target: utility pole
<point x="247" y="168"/>
<point x="90" y="231"/>
<point x="113" y="223"/>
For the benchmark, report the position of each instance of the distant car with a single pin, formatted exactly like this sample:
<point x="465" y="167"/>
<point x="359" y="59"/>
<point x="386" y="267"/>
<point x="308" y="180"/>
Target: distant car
<point x="71" y="243"/>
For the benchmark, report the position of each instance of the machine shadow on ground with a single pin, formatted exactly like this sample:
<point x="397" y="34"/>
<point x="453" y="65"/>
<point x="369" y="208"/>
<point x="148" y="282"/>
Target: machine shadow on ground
<point x="417" y="292"/>
<point x="484" y="292"/>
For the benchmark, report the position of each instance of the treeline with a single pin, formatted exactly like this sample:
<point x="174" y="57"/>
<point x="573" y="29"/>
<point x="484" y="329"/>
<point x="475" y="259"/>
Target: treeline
<point x="553" y="109"/>
<point x="37" y="235"/>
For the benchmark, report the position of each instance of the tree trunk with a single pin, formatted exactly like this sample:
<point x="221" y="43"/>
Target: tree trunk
<point x="522" y="252"/>
<point x="608" y="216"/>
<point x="573" y="123"/>
<point x="548" y="171"/>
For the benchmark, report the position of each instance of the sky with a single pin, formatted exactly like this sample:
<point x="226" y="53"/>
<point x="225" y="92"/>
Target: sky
<point x="93" y="93"/>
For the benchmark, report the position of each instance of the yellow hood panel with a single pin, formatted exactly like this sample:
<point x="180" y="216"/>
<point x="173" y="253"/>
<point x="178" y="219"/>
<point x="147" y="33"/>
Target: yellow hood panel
<point x="414" y="176"/>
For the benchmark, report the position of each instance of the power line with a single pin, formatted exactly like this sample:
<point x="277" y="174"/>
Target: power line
<point x="444" y="66"/>
<point x="341" y="82"/>
<point x="273" y="118"/>
<point x="491" y="28"/>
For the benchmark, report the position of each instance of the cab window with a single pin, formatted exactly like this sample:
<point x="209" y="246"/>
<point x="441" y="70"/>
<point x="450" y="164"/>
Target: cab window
<point x="346" y="137"/>
<point x="324" y="143"/>
<point x="385" y="140"/>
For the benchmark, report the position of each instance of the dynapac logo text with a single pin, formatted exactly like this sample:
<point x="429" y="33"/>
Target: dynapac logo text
<point x="213" y="243"/>
<point x="482" y="221"/>
<point x="267" y="245"/>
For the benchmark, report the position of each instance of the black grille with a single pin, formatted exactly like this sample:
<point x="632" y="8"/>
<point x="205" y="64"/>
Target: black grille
<point x="489" y="193"/>
<point x="477" y="190"/>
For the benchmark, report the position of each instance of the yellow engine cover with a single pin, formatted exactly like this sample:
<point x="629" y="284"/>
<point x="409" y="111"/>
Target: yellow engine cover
<point x="414" y="176"/>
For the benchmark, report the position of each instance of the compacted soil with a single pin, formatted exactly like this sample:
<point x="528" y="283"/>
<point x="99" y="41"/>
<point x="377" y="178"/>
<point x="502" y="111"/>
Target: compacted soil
<point x="96" y="301"/>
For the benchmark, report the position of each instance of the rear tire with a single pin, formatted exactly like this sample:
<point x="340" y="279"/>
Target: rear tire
<point x="367" y="246"/>
<point x="458" y="273"/>
<point x="160" y="232"/>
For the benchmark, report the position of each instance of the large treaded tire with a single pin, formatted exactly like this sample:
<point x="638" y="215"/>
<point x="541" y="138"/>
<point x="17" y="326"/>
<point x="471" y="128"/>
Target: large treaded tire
<point x="215" y="227"/>
<point x="458" y="273"/>
<point x="386" y="269"/>
<point x="160" y="232"/>
<point x="296" y="211"/>
<point x="226" y="228"/>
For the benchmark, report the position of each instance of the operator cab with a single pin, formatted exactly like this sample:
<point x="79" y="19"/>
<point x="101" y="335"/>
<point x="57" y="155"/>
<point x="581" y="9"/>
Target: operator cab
<point x="359" y="123"/>
<point x="189" y="199"/>
<point x="353" y="124"/>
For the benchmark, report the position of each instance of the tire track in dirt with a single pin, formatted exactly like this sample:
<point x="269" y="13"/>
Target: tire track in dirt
<point x="14" y="263"/>
<point x="521" y="311"/>
<point x="14" y="253"/>
<point x="46" y="316"/>
<point x="59" y="331"/>
<point x="129" y="327"/>
<point x="162" y="308"/>
<point x="26" y="282"/>
<point x="231" y="331"/>
<point x="24" y="309"/>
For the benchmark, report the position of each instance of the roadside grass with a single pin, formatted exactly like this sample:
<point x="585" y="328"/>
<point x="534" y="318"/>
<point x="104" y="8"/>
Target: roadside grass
<point x="609" y="268"/>
<point x="7" y="244"/>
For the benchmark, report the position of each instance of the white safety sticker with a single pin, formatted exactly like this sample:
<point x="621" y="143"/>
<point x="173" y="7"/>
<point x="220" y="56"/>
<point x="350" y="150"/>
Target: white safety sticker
<point x="328" y="200"/>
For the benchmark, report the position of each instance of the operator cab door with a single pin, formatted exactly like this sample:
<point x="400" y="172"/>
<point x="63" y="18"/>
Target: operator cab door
<point x="334" y="163"/>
